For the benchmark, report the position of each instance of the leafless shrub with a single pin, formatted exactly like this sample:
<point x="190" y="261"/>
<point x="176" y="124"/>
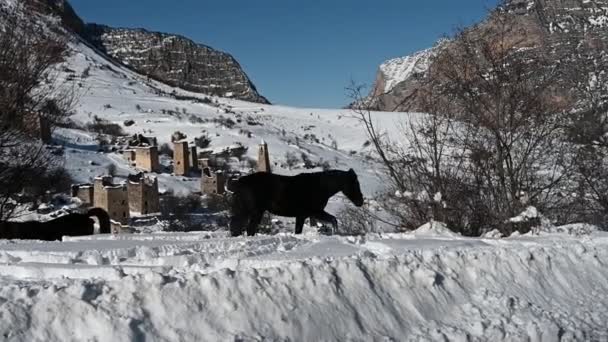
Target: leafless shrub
<point x="111" y="169"/>
<point x="176" y="212"/>
<point x="493" y="141"/>
<point x="202" y="141"/>
<point x="308" y="164"/>
<point x="354" y="221"/>
<point x="177" y="136"/>
<point x="249" y="163"/>
<point x="225" y="122"/>
<point x="291" y="159"/>
<point x="31" y="90"/>
<point x="590" y="134"/>
<point x="166" y="150"/>
<point x="217" y="203"/>
<point x="103" y="126"/>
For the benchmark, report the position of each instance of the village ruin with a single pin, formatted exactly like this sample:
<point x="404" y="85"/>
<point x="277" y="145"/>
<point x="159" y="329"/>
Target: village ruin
<point x="139" y="195"/>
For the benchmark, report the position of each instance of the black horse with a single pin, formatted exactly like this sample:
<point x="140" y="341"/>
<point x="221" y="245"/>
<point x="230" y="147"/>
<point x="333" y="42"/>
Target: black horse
<point x="68" y="225"/>
<point x="301" y="196"/>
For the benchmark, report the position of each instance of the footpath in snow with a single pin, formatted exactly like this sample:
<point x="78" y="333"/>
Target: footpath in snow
<point x="206" y="287"/>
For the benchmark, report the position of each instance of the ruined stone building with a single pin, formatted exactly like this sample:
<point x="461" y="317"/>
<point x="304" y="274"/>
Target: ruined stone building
<point x="146" y="158"/>
<point x="212" y="182"/>
<point x="84" y="192"/>
<point x="140" y="140"/>
<point x="263" y="158"/>
<point x="143" y="194"/>
<point x="181" y="159"/>
<point x="143" y="157"/>
<point x="114" y="198"/>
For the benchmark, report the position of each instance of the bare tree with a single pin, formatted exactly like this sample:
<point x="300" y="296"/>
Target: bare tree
<point x="31" y="91"/>
<point x="590" y="134"/>
<point x="494" y="140"/>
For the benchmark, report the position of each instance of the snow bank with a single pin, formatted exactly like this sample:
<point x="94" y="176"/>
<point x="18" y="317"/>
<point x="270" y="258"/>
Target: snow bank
<point x="434" y="228"/>
<point x="325" y="288"/>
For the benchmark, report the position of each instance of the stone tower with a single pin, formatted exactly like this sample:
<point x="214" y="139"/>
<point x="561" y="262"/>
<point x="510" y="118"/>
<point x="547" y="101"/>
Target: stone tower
<point x="112" y="197"/>
<point x="84" y="192"/>
<point x="212" y="182"/>
<point x="143" y="194"/>
<point x="263" y="158"/>
<point x="146" y="158"/>
<point x="181" y="164"/>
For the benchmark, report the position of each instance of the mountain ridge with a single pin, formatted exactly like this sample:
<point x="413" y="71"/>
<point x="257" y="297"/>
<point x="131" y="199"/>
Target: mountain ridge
<point x="572" y="32"/>
<point x="195" y="67"/>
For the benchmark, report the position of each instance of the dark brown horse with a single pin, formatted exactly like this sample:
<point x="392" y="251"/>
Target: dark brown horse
<point x="301" y="196"/>
<point x="68" y="225"/>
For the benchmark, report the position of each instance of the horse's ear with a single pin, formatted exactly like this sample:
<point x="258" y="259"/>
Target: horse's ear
<point x="352" y="172"/>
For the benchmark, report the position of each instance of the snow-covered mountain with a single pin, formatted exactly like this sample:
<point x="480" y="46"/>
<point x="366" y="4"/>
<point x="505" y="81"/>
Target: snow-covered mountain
<point x="571" y="32"/>
<point x="401" y="69"/>
<point x="176" y="60"/>
<point x="169" y="58"/>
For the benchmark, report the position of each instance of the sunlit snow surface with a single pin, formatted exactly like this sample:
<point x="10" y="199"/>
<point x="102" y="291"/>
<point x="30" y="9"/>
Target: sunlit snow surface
<point x="206" y="286"/>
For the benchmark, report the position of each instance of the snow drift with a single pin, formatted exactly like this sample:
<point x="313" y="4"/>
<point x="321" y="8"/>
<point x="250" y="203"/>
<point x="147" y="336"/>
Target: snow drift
<point x="382" y="287"/>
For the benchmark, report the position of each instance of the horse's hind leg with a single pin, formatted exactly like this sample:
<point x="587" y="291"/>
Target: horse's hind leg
<point x="300" y="224"/>
<point x="254" y="221"/>
<point x="326" y="217"/>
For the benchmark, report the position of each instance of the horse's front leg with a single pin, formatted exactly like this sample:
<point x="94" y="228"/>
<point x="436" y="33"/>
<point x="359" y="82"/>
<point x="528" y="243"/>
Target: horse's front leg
<point x="326" y="217"/>
<point x="254" y="222"/>
<point x="237" y="223"/>
<point x="300" y="224"/>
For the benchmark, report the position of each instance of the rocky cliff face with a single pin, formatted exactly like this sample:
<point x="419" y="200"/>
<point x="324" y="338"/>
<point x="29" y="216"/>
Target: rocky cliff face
<point x="176" y="60"/>
<point x="171" y="59"/>
<point x="572" y="32"/>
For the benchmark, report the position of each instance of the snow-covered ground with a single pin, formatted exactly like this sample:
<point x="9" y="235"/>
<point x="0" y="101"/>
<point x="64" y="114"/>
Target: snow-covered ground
<point x="207" y="287"/>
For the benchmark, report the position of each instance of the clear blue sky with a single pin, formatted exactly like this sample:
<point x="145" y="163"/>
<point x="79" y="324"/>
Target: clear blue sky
<point x="298" y="52"/>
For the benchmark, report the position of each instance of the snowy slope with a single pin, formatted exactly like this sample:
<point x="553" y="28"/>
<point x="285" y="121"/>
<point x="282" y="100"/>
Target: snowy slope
<point x="117" y="94"/>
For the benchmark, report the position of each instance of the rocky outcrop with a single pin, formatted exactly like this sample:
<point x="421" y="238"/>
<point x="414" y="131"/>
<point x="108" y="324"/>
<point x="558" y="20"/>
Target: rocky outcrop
<point x="176" y="60"/>
<point x="571" y="32"/>
<point x="171" y="59"/>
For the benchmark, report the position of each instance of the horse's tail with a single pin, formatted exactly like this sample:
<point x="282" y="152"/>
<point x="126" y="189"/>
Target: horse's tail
<point x="104" y="219"/>
<point x="231" y="185"/>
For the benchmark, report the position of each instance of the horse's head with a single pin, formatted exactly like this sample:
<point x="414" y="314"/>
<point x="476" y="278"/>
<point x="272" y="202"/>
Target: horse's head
<point x="351" y="188"/>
